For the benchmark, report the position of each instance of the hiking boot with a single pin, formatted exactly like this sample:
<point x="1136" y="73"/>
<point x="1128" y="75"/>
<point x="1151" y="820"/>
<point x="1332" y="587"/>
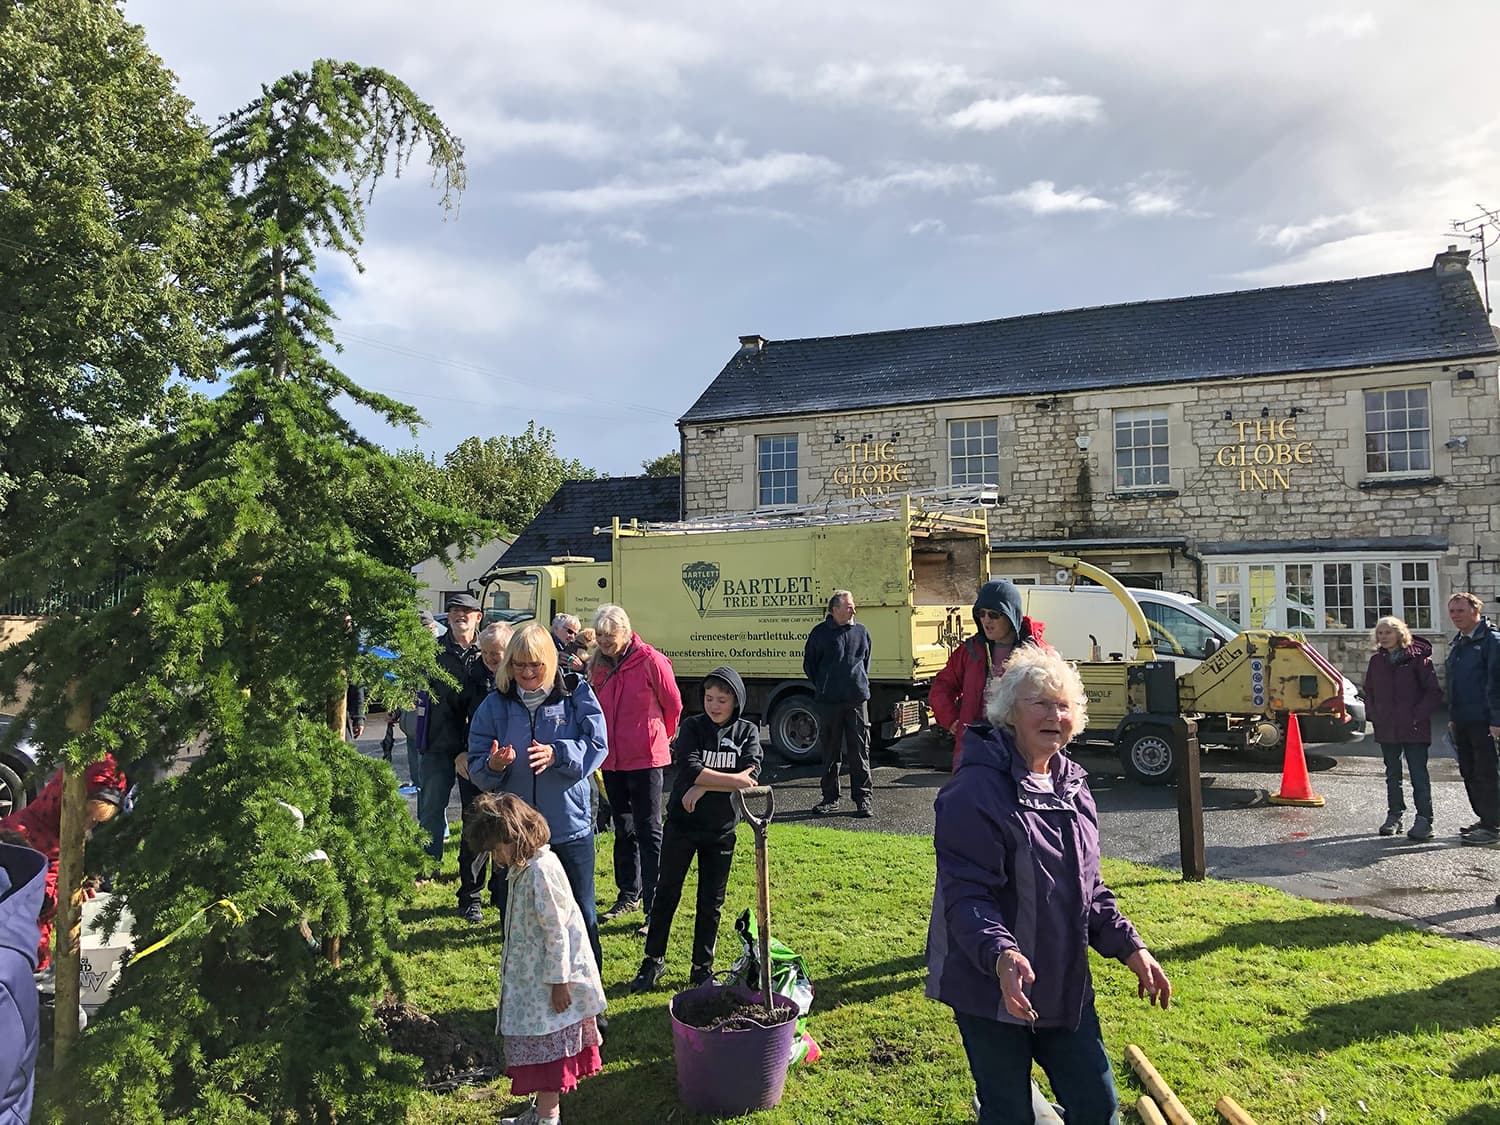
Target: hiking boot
<point x="1421" y="829"/>
<point x="1482" y="836"/>
<point x="1392" y="824"/>
<point x="1467" y="828"/>
<point x="701" y="974"/>
<point x="823" y="808"/>
<point x="652" y="970"/>
<point x="622" y="907"/>
<point x="863" y="810"/>
<point x="472" y="914"/>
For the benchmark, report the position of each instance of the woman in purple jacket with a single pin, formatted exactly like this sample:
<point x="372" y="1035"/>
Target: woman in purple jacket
<point x="1401" y="693"/>
<point x="1019" y="900"/>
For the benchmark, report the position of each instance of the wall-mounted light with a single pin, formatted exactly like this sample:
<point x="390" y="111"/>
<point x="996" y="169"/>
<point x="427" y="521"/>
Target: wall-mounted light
<point x="1265" y="411"/>
<point x="1294" y="411"/>
<point x="1229" y="415"/>
<point x="1465" y="373"/>
<point x="895" y="435"/>
<point x="1083" y="441"/>
<point x="868" y="438"/>
<point x="838" y="439"/>
<point x="1455" y="443"/>
<point x="711" y="431"/>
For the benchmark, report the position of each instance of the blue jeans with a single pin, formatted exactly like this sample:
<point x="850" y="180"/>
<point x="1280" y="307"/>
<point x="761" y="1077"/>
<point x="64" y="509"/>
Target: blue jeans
<point x="1076" y="1063"/>
<point x="1421" y="785"/>
<point x="577" y="859"/>
<point x="438" y="777"/>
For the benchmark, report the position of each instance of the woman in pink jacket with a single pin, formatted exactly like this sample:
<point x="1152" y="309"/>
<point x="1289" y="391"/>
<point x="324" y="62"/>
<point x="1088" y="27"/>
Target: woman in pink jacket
<point x="636" y="689"/>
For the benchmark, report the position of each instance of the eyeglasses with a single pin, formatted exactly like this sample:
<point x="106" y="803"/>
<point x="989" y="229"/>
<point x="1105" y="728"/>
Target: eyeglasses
<point x="571" y="632"/>
<point x="990" y="615"/>
<point x="528" y="665"/>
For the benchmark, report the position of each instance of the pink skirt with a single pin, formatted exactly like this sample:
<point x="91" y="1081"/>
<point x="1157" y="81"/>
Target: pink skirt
<point x="532" y="1071"/>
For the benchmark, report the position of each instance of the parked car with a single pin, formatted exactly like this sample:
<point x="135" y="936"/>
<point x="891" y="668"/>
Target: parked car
<point x="17" y="767"/>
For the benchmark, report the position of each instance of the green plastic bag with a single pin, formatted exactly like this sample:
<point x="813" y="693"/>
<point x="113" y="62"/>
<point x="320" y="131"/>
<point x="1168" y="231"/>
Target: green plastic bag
<point x="789" y="978"/>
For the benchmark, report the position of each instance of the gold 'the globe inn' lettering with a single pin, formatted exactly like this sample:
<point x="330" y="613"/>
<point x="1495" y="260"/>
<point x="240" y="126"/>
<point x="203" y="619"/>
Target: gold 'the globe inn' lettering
<point x="1265" y="452"/>
<point x="871" y="470"/>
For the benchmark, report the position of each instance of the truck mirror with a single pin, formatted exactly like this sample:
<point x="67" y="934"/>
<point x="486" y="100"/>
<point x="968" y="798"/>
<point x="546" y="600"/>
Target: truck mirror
<point x="1211" y="646"/>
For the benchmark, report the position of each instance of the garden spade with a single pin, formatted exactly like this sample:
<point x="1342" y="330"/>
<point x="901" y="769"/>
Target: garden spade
<point x="758" y="825"/>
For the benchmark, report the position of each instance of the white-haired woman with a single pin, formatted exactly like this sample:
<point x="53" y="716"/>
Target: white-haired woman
<point x="1401" y="693"/>
<point x="1019" y="901"/>
<point x="638" y="692"/>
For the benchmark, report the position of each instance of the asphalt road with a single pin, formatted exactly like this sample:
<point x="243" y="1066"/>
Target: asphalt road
<point x="1332" y="854"/>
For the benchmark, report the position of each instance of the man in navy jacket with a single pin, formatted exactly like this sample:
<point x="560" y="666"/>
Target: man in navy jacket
<point x="1474" y="713"/>
<point x="836" y="660"/>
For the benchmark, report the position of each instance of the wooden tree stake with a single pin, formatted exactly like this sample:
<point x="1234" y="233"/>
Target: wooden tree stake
<point x="1147" y="1111"/>
<point x="67" y="961"/>
<point x="1171" y="1108"/>
<point x="1230" y="1111"/>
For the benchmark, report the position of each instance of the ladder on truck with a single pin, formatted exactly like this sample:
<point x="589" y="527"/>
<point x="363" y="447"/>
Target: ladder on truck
<point x="929" y="507"/>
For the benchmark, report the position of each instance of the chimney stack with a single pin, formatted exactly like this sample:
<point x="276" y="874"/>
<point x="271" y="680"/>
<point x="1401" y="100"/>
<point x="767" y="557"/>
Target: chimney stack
<point x="756" y="343"/>
<point x="1451" y="261"/>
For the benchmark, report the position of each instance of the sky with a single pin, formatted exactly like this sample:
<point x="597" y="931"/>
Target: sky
<point x="650" y="181"/>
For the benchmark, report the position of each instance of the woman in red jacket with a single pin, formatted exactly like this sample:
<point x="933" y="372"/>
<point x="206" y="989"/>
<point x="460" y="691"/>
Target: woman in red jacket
<point x="957" y="695"/>
<point x="641" y="703"/>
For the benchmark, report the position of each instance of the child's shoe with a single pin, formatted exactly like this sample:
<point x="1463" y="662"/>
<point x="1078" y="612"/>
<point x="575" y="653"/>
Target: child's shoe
<point x="531" y="1117"/>
<point x="701" y="974"/>
<point x="652" y="970"/>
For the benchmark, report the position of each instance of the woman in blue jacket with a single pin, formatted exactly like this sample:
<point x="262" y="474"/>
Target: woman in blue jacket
<point x="539" y="735"/>
<point x="1019" y="901"/>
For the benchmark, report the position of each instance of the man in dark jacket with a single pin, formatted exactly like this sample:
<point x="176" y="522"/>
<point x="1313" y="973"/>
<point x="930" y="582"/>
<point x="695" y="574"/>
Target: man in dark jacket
<point x="1474" y="713"/>
<point x="836" y="660"/>
<point x="23" y="877"/>
<point x="447" y="730"/>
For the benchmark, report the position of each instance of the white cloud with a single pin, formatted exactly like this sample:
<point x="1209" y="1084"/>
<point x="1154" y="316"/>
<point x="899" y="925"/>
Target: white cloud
<point x="679" y="181"/>
<point x="1320" y="229"/>
<point x="928" y="226"/>
<point x="1344" y="25"/>
<point x="1158" y="195"/>
<point x="564" y="267"/>
<point x="989" y="114"/>
<point x="1041" y="197"/>
<point x="1360" y="255"/>
<point x="866" y="190"/>
<point x="491" y="132"/>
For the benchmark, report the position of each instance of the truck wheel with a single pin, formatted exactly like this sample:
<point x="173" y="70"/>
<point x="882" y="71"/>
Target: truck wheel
<point x="12" y="792"/>
<point x="1149" y="755"/>
<point x="794" y="728"/>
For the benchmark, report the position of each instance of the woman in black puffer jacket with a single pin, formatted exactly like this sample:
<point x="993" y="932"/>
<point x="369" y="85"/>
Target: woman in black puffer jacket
<point x="1401" y="693"/>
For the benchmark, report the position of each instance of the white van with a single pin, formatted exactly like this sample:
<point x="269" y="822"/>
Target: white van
<point x="1089" y="623"/>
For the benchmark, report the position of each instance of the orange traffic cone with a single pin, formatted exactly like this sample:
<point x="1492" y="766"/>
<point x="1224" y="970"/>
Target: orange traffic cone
<point x="1296" y="788"/>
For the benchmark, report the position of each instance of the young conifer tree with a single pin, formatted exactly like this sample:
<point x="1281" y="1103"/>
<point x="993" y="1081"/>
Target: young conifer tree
<point x="253" y="573"/>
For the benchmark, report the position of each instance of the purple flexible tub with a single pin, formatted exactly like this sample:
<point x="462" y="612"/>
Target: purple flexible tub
<point x="726" y="1073"/>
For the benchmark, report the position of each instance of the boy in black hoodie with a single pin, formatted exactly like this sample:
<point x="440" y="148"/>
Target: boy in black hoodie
<point x="716" y="753"/>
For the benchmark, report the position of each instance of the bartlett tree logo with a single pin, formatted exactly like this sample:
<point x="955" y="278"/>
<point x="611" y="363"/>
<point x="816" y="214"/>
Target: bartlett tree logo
<point x="700" y="578"/>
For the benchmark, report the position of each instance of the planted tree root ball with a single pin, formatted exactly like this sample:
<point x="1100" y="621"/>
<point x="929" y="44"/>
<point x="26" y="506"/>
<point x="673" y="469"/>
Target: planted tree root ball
<point x="725" y="1009"/>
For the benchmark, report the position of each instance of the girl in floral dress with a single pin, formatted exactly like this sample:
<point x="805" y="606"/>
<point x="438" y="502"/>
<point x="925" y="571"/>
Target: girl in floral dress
<point x="550" y="992"/>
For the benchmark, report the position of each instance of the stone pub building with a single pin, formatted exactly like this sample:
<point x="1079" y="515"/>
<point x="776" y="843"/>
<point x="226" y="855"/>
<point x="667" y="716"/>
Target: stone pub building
<point x="1307" y="457"/>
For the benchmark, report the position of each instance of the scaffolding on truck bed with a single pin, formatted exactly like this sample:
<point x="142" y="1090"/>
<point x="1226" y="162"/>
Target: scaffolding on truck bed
<point x="927" y="509"/>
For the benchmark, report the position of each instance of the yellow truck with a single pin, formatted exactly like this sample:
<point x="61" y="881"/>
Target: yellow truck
<point x="1239" y="695"/>
<point x="745" y="591"/>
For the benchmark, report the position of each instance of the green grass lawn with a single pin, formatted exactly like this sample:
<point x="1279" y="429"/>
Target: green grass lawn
<point x="1290" y="1007"/>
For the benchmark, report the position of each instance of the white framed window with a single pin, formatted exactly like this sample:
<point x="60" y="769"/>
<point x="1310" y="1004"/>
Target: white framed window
<point x="776" y="458"/>
<point x="973" y="451"/>
<point x="1325" y="593"/>
<point x="1398" y="431"/>
<point x="1141" y="453"/>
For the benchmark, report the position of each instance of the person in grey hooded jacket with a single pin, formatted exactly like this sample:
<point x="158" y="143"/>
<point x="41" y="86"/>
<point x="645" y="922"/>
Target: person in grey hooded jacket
<point x="1019" y="901"/>
<point x="23" y="880"/>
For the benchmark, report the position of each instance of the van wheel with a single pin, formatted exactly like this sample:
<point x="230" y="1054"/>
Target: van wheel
<point x="795" y="728"/>
<point x="12" y="792"/>
<point x="1149" y="755"/>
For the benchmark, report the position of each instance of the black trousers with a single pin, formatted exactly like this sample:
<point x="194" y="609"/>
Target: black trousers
<point x="715" y="855"/>
<point x="635" y="801"/>
<point x="844" y="729"/>
<point x="1479" y="763"/>
<point x="472" y="868"/>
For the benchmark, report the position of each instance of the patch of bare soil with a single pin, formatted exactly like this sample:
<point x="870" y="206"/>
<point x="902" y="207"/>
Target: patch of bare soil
<point x="724" y="1009"/>
<point x="450" y="1056"/>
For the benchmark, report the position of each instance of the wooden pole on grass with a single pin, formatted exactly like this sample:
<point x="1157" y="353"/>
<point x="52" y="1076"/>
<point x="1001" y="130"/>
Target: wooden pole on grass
<point x="67" y="960"/>
<point x="1146" y="1110"/>
<point x="1230" y="1111"/>
<point x="1171" y="1108"/>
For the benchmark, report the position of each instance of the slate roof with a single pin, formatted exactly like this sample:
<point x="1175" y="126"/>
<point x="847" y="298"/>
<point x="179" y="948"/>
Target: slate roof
<point x="565" y="525"/>
<point x="1326" y="326"/>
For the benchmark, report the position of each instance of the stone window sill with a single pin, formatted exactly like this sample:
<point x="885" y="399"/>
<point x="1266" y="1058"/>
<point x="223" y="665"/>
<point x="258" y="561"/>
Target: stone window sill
<point x="1371" y="484"/>
<point x="1147" y="494"/>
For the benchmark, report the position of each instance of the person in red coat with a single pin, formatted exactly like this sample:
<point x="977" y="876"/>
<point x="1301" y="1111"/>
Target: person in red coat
<point x="39" y="826"/>
<point x="1401" y="693"/>
<point x="957" y="695"/>
<point x="638" y="694"/>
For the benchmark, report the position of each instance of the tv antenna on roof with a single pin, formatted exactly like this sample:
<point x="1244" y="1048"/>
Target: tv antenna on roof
<point x="1482" y="228"/>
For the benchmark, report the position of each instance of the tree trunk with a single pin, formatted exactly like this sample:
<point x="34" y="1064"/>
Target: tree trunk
<point x="66" y="961"/>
